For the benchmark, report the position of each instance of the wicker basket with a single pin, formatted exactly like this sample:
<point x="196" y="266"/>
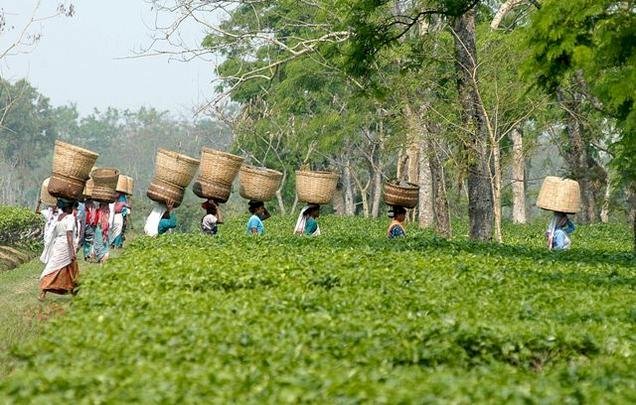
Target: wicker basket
<point x="125" y="184"/>
<point x="88" y="189"/>
<point x="161" y="192"/>
<point x="45" y="197"/>
<point x="316" y="187"/>
<point x="175" y="168"/>
<point x="72" y="161"/>
<point x="401" y="195"/>
<point x="104" y="183"/>
<point x="560" y="195"/>
<point x="259" y="183"/>
<point x="61" y="186"/>
<point x="217" y="191"/>
<point x="219" y="167"/>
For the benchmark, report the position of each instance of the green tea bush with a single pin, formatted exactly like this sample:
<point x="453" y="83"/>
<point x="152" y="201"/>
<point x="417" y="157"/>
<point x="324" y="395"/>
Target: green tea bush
<point x="347" y="317"/>
<point x="20" y="226"/>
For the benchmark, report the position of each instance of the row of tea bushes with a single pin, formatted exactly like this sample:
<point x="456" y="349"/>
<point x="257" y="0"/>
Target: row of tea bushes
<point x="347" y="317"/>
<point x="20" y="235"/>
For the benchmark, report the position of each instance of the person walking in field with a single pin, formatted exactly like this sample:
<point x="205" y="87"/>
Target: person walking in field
<point x="122" y="209"/>
<point x="60" y="254"/>
<point x="101" y="241"/>
<point x="161" y="219"/>
<point x="559" y="230"/>
<point x="212" y="217"/>
<point x="259" y="214"/>
<point x="396" y="227"/>
<point x="307" y="222"/>
<point x="89" y="229"/>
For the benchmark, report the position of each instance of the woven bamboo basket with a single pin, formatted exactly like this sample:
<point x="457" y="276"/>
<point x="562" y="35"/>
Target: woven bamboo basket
<point x="161" y="192"/>
<point x="72" y="161"/>
<point x="45" y="197"/>
<point x="560" y="195"/>
<point x="125" y="184"/>
<point x="217" y="191"/>
<point x="104" y="184"/>
<point x="88" y="189"/>
<point x="258" y="183"/>
<point x="61" y="186"/>
<point x="219" y="167"/>
<point x="401" y="195"/>
<point x="175" y="168"/>
<point x="316" y="187"/>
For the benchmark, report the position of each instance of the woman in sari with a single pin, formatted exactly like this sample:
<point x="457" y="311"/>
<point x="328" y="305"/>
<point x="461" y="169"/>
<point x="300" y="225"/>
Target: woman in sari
<point x="307" y="223"/>
<point x="558" y="232"/>
<point x="396" y="227"/>
<point x="89" y="229"/>
<point x="122" y="208"/>
<point x="60" y="273"/>
<point x="101" y="241"/>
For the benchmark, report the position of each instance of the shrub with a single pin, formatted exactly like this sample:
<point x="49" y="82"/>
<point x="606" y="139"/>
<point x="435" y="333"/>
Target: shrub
<point x="346" y="317"/>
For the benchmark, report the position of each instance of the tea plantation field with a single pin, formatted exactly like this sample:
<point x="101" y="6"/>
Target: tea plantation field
<point x="347" y="317"/>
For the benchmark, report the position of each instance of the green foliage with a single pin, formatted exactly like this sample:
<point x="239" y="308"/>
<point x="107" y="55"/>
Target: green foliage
<point x="346" y="317"/>
<point x="21" y="227"/>
<point x="597" y="37"/>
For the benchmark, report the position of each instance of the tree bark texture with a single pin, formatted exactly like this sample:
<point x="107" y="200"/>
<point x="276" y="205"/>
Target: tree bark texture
<point x="518" y="178"/>
<point x="480" y="204"/>
<point x="440" y="196"/>
<point x="504" y="9"/>
<point x="576" y="155"/>
<point x="426" y="215"/>
<point x="349" y="199"/>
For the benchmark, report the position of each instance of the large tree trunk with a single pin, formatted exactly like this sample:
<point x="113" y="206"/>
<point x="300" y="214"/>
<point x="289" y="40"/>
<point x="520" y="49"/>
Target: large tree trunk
<point x="496" y="186"/>
<point x="347" y="184"/>
<point x="419" y="171"/>
<point x="518" y="178"/>
<point x="426" y="216"/>
<point x="377" y="192"/>
<point x="440" y="197"/>
<point x="480" y="205"/>
<point x="576" y="156"/>
<point x="413" y="171"/>
<point x="338" y="202"/>
<point x="376" y="169"/>
<point x="279" y="195"/>
<point x="606" y="201"/>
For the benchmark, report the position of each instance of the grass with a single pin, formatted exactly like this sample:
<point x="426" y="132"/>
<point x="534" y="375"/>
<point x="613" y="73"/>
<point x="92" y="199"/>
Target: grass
<point x="348" y="317"/>
<point x="22" y="316"/>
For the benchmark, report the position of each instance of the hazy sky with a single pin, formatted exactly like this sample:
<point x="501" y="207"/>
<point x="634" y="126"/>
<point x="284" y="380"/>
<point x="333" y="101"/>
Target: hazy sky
<point x="76" y="58"/>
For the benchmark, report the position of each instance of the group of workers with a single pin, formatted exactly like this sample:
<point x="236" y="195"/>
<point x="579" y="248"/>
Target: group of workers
<point x="96" y="227"/>
<point x="92" y="226"/>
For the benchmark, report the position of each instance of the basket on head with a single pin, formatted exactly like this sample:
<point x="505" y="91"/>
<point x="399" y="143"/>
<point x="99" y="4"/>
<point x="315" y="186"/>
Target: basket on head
<point x="403" y="195"/>
<point x="219" y="167"/>
<point x="217" y="191"/>
<point x="72" y="161"/>
<point x="316" y="187"/>
<point x="45" y="197"/>
<point x="175" y="168"/>
<point x="161" y="191"/>
<point x="125" y="184"/>
<point x="104" y="184"/>
<point x="61" y="186"/>
<point x="259" y="183"/>
<point x="88" y="189"/>
<point x="560" y="195"/>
